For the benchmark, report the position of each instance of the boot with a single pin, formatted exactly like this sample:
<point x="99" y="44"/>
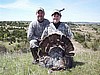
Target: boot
<point x="34" y="52"/>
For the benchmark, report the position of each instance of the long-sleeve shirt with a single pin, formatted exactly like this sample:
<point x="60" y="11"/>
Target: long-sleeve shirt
<point x="62" y="29"/>
<point x="36" y="28"/>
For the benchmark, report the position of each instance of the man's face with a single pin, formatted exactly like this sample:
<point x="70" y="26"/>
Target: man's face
<point x="56" y="18"/>
<point x="40" y="15"/>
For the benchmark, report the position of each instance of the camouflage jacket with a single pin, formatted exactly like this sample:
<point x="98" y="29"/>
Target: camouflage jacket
<point x="63" y="29"/>
<point x="36" y="28"/>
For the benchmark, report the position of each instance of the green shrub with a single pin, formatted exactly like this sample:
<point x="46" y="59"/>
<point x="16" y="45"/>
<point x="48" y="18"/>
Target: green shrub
<point x="79" y="37"/>
<point x="96" y="44"/>
<point x="85" y="45"/>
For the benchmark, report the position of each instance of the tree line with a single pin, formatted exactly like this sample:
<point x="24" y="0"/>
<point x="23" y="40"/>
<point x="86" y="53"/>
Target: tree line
<point x="12" y="31"/>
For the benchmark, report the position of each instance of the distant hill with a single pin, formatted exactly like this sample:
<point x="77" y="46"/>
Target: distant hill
<point x="65" y="22"/>
<point x="86" y="23"/>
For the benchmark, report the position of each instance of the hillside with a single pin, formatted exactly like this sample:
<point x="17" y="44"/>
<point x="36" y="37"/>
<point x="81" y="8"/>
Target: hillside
<point x="86" y="62"/>
<point x="17" y="60"/>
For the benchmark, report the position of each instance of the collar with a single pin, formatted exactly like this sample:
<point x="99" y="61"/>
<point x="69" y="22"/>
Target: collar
<point x="57" y="24"/>
<point x="40" y="21"/>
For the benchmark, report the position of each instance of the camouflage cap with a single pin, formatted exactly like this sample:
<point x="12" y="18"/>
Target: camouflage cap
<point x="56" y="11"/>
<point x="40" y="9"/>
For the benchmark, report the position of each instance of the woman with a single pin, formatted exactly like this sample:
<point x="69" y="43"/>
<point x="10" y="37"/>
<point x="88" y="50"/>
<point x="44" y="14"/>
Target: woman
<point x="57" y="26"/>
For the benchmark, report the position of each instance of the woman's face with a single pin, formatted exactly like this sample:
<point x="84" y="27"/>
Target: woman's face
<point x="56" y="18"/>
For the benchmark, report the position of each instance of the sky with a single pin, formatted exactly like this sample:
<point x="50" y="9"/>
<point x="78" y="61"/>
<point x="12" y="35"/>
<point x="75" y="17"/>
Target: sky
<point x="75" y="10"/>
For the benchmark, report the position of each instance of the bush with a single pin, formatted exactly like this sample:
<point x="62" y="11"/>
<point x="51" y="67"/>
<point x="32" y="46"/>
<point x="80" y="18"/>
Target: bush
<point x="79" y="37"/>
<point x="96" y="44"/>
<point x="2" y="49"/>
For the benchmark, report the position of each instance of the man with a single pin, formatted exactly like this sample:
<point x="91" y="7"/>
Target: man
<point x="35" y="31"/>
<point x="57" y="26"/>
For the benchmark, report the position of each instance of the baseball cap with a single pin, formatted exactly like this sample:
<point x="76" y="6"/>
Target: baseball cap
<point x="56" y="11"/>
<point x="40" y="9"/>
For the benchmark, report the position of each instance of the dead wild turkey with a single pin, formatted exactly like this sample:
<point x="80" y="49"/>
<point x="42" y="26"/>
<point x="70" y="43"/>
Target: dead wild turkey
<point x="54" y="52"/>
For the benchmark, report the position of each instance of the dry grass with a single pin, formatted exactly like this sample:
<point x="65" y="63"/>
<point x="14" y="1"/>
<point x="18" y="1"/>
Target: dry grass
<point x="85" y="63"/>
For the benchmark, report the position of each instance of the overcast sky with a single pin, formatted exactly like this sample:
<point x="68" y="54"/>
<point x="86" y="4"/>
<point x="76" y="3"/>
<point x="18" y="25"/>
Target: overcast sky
<point x="75" y="10"/>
